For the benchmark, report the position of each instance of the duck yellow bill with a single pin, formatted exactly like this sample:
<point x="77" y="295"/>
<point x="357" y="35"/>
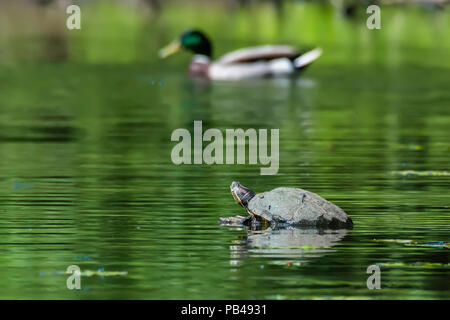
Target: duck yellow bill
<point x="170" y="49"/>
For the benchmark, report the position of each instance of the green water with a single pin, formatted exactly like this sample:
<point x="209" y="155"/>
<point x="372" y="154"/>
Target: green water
<point x="86" y="178"/>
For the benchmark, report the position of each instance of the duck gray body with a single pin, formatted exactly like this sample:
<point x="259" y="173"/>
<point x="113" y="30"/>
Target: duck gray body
<point x="288" y="206"/>
<point x="260" y="62"/>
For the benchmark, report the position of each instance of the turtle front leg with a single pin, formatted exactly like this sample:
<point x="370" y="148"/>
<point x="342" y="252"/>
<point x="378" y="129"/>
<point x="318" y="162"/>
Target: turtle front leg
<point x="234" y="221"/>
<point x="248" y="221"/>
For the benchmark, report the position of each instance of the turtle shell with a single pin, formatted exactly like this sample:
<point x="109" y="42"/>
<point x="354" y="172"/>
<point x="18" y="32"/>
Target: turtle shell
<point x="298" y="207"/>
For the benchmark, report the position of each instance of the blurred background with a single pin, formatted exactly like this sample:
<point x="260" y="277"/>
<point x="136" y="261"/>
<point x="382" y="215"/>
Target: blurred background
<point x="133" y="30"/>
<point x="86" y="176"/>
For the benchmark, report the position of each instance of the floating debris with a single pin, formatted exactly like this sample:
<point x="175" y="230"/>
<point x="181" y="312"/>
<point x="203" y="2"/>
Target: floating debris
<point x="414" y="243"/>
<point x="82" y="258"/>
<point x="22" y="185"/>
<point x="90" y="273"/>
<point x="149" y="80"/>
<point x="327" y="297"/>
<point x="413" y="265"/>
<point x="87" y="273"/>
<point x="54" y="273"/>
<point x="286" y="264"/>
<point x="413" y="147"/>
<point x="277" y="297"/>
<point x="438" y="244"/>
<point x="416" y="147"/>
<point x="305" y="247"/>
<point x="409" y="173"/>
<point x="392" y="240"/>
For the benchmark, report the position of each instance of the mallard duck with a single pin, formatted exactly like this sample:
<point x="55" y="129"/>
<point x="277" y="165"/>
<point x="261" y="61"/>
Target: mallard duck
<point x="253" y="62"/>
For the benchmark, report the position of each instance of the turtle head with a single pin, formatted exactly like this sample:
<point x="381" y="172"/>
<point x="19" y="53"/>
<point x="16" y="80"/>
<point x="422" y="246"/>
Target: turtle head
<point x="241" y="194"/>
<point x="192" y="40"/>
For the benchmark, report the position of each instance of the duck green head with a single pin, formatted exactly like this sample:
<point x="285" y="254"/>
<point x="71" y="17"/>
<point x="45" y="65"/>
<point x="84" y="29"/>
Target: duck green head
<point x="192" y="40"/>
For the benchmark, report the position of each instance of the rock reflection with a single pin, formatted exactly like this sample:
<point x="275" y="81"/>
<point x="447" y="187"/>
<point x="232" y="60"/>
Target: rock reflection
<point x="290" y="244"/>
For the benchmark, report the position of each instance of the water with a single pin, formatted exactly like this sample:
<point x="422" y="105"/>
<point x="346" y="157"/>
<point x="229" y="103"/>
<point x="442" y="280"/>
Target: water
<point x="87" y="179"/>
<point x="86" y="176"/>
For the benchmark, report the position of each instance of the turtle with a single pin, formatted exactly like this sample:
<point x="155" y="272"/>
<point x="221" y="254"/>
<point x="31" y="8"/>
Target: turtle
<point x="287" y="207"/>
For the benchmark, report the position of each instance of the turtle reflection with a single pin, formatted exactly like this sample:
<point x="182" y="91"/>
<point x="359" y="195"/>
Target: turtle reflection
<point x="291" y="245"/>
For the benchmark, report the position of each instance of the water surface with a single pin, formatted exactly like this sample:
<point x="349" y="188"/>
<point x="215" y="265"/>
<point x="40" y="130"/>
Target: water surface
<point x="87" y="179"/>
